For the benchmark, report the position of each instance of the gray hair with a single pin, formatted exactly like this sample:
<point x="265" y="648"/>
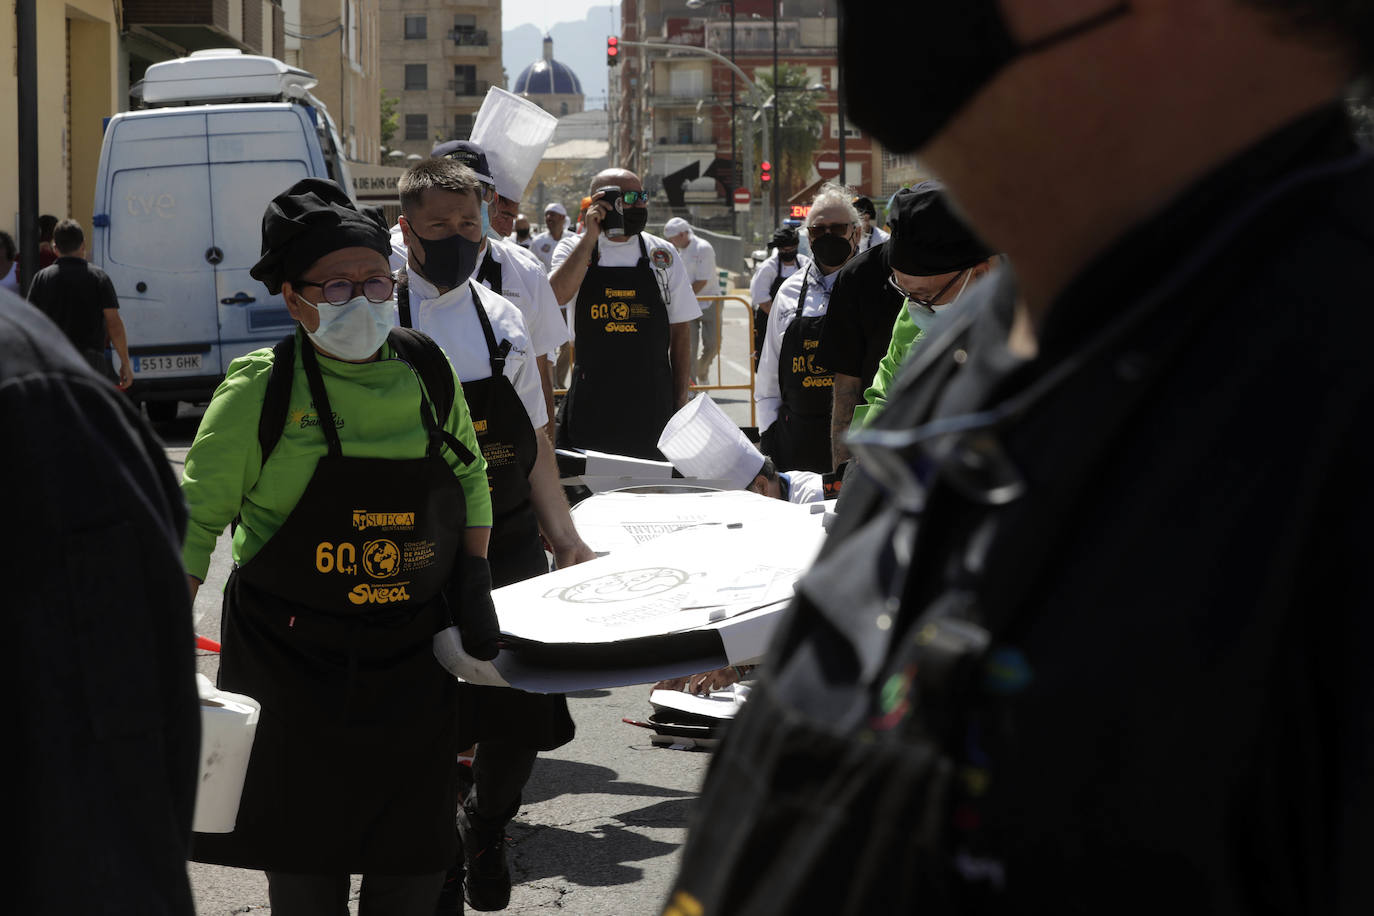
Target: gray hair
<point x="443" y="173"/>
<point x="832" y="193"/>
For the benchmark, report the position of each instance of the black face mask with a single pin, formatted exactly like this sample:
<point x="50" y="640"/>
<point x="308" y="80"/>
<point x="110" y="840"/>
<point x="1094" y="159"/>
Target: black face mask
<point x="787" y="257"/>
<point x="449" y="261"/>
<point x="831" y="250"/>
<point x="522" y="234"/>
<point x="636" y="218"/>
<point x="974" y="47"/>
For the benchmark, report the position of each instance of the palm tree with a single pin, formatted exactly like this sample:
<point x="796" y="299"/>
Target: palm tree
<point x="800" y="126"/>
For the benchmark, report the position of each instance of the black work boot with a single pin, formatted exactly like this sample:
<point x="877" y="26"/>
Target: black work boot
<point x="451" y="897"/>
<point x="487" y="882"/>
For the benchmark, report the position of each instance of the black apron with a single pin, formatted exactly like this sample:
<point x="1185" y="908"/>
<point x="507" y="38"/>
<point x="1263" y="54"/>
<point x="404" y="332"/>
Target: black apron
<point x="799" y="439"/>
<point x="622" y="386"/>
<point x="329" y="627"/>
<point x="515" y="553"/>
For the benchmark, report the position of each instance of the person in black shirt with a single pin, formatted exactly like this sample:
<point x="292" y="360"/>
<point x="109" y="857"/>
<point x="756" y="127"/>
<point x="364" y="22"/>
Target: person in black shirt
<point x="80" y="298"/>
<point x="1090" y="633"/>
<point x="932" y="254"/>
<point x="97" y="665"/>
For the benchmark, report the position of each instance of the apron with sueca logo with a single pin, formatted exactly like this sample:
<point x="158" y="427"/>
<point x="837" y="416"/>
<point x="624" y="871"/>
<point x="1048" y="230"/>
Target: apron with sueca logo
<point x="329" y="627"/>
<point x="516" y="551"/>
<point x="622" y="387"/>
<point x="799" y="440"/>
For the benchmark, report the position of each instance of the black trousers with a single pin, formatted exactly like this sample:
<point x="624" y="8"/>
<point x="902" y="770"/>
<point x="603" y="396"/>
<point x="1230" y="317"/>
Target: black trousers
<point x="327" y="895"/>
<point x="500" y="770"/>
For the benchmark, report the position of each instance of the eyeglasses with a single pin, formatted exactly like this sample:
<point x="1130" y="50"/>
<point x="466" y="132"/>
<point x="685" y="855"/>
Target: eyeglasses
<point x="630" y="198"/>
<point x="919" y="300"/>
<point x="340" y="290"/>
<point x="834" y="229"/>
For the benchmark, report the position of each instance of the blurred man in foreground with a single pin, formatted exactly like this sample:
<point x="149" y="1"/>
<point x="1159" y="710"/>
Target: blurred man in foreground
<point x="1089" y="634"/>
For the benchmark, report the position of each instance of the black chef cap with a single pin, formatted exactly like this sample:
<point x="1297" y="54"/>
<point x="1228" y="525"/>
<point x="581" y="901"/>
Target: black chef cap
<point x="306" y="222"/>
<point x="784" y="237"/>
<point x="927" y="238"/>
<point x="864" y="205"/>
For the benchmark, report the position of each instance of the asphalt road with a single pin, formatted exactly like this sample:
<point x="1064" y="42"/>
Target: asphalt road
<point x="603" y="818"/>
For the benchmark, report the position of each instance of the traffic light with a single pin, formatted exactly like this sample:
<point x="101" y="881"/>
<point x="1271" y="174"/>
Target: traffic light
<point x="765" y="171"/>
<point x="612" y="51"/>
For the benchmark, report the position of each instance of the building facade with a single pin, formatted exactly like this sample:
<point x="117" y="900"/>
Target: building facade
<point x="674" y="107"/>
<point x="89" y="53"/>
<point x="438" y="59"/>
<point x="339" y="41"/>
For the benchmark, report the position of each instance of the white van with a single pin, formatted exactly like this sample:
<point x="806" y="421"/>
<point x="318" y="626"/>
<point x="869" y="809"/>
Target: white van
<point x="178" y="213"/>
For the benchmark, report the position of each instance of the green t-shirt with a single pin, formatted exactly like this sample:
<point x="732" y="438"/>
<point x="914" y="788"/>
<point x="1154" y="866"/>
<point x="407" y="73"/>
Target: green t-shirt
<point x="905" y="333"/>
<point x="376" y="411"/>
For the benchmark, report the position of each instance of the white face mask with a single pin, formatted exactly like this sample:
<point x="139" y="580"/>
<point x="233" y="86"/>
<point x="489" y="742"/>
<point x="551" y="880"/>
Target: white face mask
<point x="922" y="316"/>
<point x="355" y="330"/>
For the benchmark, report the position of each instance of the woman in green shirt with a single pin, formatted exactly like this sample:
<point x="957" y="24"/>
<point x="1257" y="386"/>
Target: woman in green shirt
<point x="361" y="532"/>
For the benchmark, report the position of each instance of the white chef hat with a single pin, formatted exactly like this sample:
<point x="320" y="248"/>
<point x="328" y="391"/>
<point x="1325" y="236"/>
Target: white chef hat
<point x="555" y="207"/>
<point x="674" y="226"/>
<point x="702" y="442"/>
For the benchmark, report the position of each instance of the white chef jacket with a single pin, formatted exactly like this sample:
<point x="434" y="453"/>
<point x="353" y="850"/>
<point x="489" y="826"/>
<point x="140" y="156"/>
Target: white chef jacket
<point x="876" y="237"/>
<point x="674" y="285"/>
<point x="542" y="246"/>
<point x="767" y="394"/>
<point x="803" y="486"/>
<point x="524" y="285"/>
<point x="451" y="320"/>
<point x="765" y="272"/>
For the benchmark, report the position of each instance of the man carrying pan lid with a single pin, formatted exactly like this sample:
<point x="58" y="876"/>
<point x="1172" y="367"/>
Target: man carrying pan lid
<point x="484" y="337"/>
<point x="505" y="267"/>
<point x="347" y="462"/>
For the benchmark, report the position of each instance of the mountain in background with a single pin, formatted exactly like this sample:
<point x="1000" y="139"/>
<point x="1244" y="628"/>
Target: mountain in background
<point x="580" y="45"/>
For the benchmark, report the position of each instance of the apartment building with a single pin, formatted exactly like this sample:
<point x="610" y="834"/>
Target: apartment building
<point x="438" y="59"/>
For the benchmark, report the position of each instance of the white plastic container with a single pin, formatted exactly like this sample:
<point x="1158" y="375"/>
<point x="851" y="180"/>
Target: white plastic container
<point x="228" y="722"/>
<point x="701" y="441"/>
<point x="514" y="133"/>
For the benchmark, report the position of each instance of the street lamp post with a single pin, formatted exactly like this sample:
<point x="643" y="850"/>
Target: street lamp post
<point x="736" y="174"/>
<point x="777" y="202"/>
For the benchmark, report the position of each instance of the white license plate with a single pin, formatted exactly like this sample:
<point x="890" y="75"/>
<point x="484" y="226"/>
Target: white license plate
<point x="167" y="365"/>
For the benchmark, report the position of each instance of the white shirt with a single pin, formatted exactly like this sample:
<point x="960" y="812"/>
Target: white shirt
<point x="452" y="321"/>
<point x="767" y="394"/>
<point x="674" y="285"/>
<point x="803" y="486"/>
<point x="700" y="259"/>
<point x="876" y="237"/>
<point x="765" y="272"/>
<point x="11" y="279"/>
<point x="542" y="246"/>
<point x="524" y="285"/>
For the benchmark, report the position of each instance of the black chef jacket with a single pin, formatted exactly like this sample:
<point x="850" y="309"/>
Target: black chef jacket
<point x="1175" y="711"/>
<point x="858" y="323"/>
<point x="97" y="663"/>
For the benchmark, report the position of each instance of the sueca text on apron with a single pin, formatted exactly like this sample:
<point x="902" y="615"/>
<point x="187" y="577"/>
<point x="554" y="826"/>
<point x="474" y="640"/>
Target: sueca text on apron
<point x="622" y="387"/>
<point x="329" y="627"/>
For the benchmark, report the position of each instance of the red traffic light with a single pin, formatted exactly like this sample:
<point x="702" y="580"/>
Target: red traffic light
<point x="612" y="50"/>
<point x="765" y="171"/>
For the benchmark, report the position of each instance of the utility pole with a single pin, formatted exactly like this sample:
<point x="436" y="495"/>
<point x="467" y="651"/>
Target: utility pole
<point x="26" y="24"/>
<point x="839" y="90"/>
<point x="778" y="174"/>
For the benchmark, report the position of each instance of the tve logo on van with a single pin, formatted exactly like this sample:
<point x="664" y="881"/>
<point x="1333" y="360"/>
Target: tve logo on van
<point x="152" y="204"/>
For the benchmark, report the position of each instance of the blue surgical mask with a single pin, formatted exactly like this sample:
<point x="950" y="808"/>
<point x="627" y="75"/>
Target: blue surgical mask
<point x="924" y="316"/>
<point x="355" y="330"/>
<point x="487" y="231"/>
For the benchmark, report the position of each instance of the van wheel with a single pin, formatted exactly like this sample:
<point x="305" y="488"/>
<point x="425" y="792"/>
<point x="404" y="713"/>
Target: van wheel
<point x="161" y="411"/>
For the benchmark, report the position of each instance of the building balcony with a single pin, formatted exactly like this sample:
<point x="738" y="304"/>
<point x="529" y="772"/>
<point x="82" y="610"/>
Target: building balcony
<point x="469" y="38"/>
<point x="466" y="89"/>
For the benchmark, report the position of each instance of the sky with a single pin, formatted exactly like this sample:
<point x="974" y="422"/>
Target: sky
<point x="544" y="13"/>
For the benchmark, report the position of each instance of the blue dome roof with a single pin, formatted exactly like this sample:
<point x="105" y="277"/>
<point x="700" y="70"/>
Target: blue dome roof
<point x="547" y="76"/>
